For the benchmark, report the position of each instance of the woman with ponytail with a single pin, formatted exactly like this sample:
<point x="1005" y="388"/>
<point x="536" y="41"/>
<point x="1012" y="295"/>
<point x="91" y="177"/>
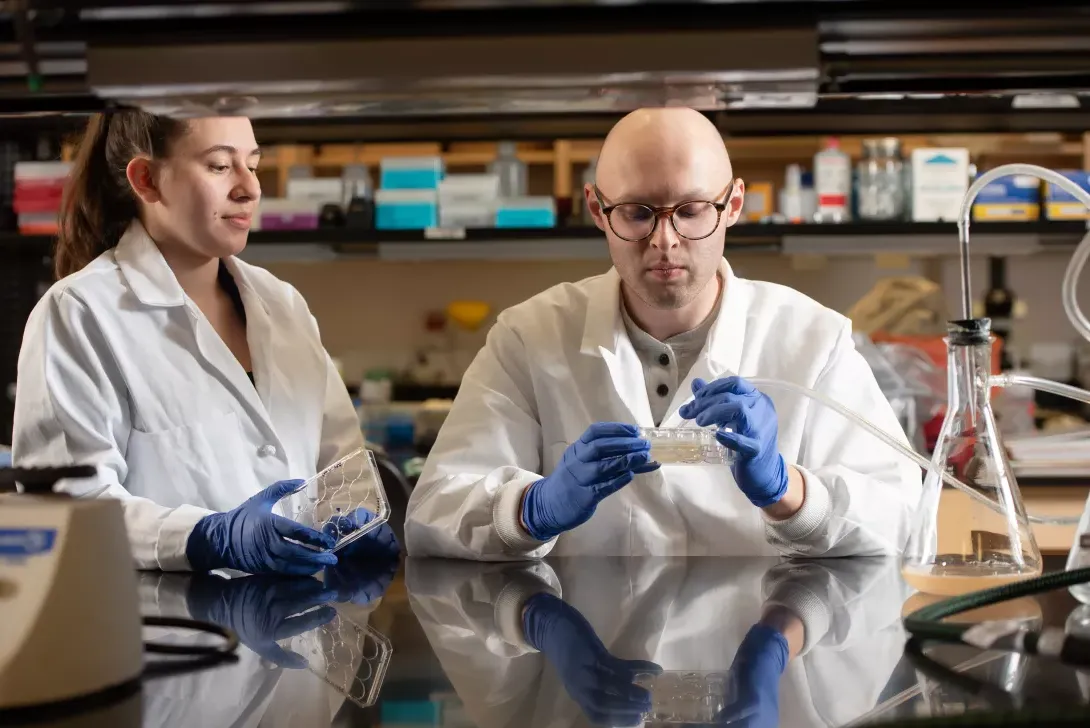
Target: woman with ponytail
<point x="191" y="379"/>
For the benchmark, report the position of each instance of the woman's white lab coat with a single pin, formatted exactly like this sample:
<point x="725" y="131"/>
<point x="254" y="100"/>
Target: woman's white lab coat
<point x="562" y="360"/>
<point x="684" y="614"/>
<point x="120" y="369"/>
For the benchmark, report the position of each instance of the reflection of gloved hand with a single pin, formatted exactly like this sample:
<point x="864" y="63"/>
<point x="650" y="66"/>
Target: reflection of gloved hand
<point x="755" y="673"/>
<point x="599" y="682"/>
<point x="598" y="464"/>
<point x="360" y="581"/>
<point x="733" y="402"/>
<point x="251" y="537"/>
<point x="260" y="610"/>
<point x="379" y="543"/>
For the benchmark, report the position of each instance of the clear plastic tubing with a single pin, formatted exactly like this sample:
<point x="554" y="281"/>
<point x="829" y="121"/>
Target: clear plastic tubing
<point x="904" y="449"/>
<point x="1043" y="385"/>
<point x="1078" y="260"/>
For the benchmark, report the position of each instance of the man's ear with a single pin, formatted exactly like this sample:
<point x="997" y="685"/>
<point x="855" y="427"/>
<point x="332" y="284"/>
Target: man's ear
<point x="140" y="172"/>
<point x="591" y="201"/>
<point x="734" y="204"/>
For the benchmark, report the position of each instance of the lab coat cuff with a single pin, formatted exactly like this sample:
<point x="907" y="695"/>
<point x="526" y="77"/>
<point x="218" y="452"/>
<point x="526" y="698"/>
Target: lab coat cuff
<point x="810" y="520"/>
<point x="506" y="507"/>
<point x="811" y="609"/>
<point x="513" y="597"/>
<point x="173" y="536"/>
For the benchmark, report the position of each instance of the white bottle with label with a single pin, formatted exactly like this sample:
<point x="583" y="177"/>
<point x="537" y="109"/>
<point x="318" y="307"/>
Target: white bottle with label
<point x="833" y="182"/>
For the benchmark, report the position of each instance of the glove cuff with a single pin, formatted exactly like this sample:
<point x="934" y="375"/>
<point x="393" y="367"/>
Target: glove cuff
<point x="529" y="513"/>
<point x="199" y="549"/>
<point x="781" y="489"/>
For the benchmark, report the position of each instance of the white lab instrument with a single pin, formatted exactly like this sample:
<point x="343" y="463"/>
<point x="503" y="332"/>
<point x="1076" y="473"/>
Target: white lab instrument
<point x="685" y="446"/>
<point x="351" y="483"/>
<point x="68" y="602"/>
<point x="119" y="369"/>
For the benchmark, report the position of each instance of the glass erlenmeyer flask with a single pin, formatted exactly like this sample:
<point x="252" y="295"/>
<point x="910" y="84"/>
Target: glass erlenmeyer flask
<point x="961" y="543"/>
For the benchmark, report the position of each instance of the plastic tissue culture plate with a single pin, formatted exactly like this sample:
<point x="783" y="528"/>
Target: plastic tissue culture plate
<point x="688" y="696"/>
<point x="685" y="446"/>
<point x="349" y="484"/>
<point x="350" y="658"/>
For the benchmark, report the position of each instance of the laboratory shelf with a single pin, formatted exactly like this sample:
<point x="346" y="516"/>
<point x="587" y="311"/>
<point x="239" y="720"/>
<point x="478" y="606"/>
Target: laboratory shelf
<point x="994" y="238"/>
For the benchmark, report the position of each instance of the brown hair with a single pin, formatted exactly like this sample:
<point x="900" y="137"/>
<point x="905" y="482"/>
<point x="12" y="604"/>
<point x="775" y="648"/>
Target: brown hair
<point x="98" y="202"/>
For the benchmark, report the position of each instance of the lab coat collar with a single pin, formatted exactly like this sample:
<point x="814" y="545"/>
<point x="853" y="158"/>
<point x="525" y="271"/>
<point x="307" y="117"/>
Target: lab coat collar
<point x="604" y="328"/>
<point x="146" y="270"/>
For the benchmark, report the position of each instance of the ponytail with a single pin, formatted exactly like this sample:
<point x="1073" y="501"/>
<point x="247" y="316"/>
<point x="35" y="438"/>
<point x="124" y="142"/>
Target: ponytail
<point x="98" y="202"/>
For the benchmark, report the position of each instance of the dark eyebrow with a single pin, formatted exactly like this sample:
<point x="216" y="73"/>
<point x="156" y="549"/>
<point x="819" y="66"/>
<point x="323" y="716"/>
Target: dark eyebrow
<point x="230" y="150"/>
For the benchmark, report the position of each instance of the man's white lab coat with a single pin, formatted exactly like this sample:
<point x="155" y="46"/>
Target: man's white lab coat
<point x="684" y="614"/>
<point x="562" y="360"/>
<point x="121" y="370"/>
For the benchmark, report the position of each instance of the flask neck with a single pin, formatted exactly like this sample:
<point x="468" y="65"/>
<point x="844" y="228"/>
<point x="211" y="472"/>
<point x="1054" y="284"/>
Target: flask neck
<point x="969" y="368"/>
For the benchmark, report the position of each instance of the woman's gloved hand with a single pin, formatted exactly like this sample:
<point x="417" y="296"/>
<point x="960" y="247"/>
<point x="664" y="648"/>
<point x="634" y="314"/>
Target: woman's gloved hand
<point x="263" y="609"/>
<point x="379" y="543"/>
<point x="599" y="682"/>
<point x="602" y="461"/>
<point x="366" y="566"/>
<point x="251" y="538"/>
<point x="734" y="403"/>
<point x="755" y="674"/>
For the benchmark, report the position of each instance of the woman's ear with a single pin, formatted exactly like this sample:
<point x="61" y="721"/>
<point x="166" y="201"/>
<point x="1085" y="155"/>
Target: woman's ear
<point x="141" y="174"/>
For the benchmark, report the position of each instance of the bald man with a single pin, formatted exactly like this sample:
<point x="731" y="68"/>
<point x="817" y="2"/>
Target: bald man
<point x="542" y="453"/>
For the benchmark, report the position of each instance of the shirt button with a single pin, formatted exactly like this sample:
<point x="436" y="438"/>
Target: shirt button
<point x="663" y="390"/>
<point x="664" y="359"/>
<point x="266" y="451"/>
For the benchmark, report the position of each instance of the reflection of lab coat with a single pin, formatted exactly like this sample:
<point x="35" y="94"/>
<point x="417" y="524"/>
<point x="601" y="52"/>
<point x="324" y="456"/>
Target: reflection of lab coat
<point x="562" y="361"/>
<point x="120" y="369"/>
<point x="681" y="613"/>
<point x="251" y="693"/>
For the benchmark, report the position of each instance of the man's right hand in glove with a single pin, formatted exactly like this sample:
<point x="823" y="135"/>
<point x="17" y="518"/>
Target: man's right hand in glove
<point x="598" y="464"/>
<point x="253" y="539"/>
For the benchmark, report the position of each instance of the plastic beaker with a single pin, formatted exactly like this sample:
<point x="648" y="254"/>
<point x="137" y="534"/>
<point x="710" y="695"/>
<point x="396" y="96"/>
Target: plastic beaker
<point x="961" y="543"/>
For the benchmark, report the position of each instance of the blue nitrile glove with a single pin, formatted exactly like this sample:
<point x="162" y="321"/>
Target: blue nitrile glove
<point x="599" y="682"/>
<point x="733" y="402"/>
<point x="602" y="461"/>
<point x="251" y="538"/>
<point x="262" y="610"/>
<point x="755" y="676"/>
<point x="379" y="543"/>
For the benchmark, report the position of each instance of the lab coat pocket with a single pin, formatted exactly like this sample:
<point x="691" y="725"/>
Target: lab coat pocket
<point x="201" y="464"/>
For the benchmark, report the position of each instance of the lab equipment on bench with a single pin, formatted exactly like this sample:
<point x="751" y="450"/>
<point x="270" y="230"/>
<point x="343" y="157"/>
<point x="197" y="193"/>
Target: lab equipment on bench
<point x="685" y="446"/>
<point x="68" y="601"/>
<point x="976" y="545"/>
<point x="332" y="496"/>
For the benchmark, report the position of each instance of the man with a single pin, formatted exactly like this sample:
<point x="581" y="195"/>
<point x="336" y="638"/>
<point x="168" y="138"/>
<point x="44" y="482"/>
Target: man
<point x="540" y="451"/>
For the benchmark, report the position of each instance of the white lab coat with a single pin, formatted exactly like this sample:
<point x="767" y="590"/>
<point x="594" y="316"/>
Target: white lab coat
<point x="562" y="360"/>
<point x="120" y="369"/>
<point x="684" y="614"/>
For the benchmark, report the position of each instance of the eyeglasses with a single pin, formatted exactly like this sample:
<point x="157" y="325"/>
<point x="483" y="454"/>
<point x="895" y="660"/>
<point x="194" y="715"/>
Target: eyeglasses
<point x="692" y="219"/>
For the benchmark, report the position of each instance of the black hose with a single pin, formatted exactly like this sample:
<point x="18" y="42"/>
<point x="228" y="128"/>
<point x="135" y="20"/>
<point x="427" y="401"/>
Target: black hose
<point x="926" y="624"/>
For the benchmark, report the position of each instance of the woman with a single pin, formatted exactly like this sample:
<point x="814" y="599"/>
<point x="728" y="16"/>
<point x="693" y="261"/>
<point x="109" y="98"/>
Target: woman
<point x="191" y="379"/>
